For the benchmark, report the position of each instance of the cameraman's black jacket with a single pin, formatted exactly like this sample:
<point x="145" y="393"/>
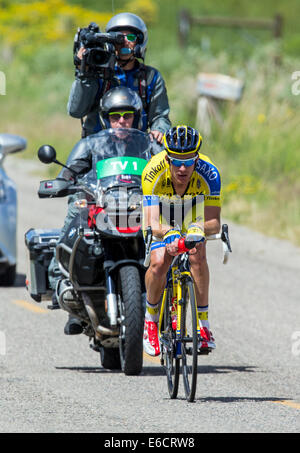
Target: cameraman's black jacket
<point x="86" y="92"/>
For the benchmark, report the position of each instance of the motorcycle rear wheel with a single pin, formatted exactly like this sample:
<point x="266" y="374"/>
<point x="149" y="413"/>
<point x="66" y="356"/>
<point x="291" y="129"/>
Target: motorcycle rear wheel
<point x="132" y="320"/>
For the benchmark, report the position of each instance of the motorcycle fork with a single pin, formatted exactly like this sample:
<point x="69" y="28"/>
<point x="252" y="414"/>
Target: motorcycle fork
<point x="111" y="297"/>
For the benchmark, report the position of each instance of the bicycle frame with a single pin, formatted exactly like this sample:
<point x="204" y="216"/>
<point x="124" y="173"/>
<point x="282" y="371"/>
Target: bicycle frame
<point x="185" y="343"/>
<point x="180" y="270"/>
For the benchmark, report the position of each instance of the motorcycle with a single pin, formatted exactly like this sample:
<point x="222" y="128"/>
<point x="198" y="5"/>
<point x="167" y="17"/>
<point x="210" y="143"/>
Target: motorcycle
<point x="101" y="255"/>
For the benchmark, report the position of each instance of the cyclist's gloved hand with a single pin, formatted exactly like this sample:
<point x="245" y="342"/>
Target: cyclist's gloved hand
<point x="195" y="233"/>
<point x="171" y="235"/>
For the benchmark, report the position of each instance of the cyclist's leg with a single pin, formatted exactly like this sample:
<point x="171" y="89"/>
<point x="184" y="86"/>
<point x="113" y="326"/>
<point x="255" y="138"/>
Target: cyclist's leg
<point x="155" y="278"/>
<point x="200" y="273"/>
<point x="155" y="281"/>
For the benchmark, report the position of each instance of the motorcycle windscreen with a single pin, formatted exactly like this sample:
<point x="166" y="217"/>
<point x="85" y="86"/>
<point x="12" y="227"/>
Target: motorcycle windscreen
<point x="120" y="156"/>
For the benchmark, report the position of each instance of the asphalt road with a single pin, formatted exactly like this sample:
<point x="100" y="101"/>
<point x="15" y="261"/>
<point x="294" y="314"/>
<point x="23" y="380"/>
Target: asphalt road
<point x="50" y="382"/>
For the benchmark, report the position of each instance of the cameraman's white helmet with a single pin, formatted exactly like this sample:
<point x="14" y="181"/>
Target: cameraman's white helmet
<point x="129" y="21"/>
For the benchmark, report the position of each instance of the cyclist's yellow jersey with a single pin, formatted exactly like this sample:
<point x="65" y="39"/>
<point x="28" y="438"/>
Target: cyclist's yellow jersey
<point x="204" y="189"/>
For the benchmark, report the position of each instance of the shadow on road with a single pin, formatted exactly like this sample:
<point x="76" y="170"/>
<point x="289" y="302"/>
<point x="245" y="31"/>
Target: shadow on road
<point x="160" y="371"/>
<point x="95" y="370"/>
<point x="153" y="371"/>
<point x="237" y="399"/>
<point x="146" y="371"/>
<point x="210" y="369"/>
<point x="222" y="369"/>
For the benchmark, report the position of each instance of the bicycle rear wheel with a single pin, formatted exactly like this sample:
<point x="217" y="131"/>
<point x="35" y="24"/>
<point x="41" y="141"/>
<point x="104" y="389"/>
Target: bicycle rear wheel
<point x="169" y="347"/>
<point x="189" y="345"/>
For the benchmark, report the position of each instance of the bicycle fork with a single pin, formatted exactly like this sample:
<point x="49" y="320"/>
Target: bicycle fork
<point x="177" y="282"/>
<point x="181" y="306"/>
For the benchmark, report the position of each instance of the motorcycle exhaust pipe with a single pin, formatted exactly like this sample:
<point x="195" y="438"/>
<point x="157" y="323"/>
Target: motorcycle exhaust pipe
<point x="99" y="330"/>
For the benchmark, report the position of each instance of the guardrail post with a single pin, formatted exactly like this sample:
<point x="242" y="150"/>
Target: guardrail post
<point x="184" y="25"/>
<point x="278" y="25"/>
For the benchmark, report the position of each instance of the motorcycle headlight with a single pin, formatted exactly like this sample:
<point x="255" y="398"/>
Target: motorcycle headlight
<point x="134" y="200"/>
<point x="132" y="206"/>
<point x="81" y="203"/>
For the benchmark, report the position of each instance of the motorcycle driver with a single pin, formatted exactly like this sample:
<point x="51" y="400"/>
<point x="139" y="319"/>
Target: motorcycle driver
<point x="87" y="89"/>
<point x="120" y="107"/>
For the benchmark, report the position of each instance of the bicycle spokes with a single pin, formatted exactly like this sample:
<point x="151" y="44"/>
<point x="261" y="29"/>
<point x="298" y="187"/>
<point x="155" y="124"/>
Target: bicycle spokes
<point x="189" y="343"/>
<point x="168" y="344"/>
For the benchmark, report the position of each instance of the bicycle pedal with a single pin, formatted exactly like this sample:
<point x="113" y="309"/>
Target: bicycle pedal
<point x="205" y="351"/>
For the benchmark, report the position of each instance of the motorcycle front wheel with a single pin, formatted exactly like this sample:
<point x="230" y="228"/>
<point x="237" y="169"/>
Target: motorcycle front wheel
<point x="132" y="320"/>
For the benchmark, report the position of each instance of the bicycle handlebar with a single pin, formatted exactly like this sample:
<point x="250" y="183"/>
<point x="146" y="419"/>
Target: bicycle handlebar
<point x="184" y="247"/>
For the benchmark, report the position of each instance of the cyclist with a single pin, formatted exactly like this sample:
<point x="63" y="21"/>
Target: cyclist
<point x="179" y="174"/>
<point x="87" y="89"/>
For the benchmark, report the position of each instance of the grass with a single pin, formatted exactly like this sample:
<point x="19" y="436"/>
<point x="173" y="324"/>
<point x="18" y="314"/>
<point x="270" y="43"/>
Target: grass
<point x="256" y="149"/>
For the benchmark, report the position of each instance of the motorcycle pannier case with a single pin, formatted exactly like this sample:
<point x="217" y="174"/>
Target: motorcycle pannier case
<point x="40" y="244"/>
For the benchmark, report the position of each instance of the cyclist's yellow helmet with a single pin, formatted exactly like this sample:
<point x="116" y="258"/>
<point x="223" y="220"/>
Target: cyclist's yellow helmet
<point x="182" y="140"/>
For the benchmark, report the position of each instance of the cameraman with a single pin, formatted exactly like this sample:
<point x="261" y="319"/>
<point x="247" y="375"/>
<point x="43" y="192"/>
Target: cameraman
<point x="88" y="87"/>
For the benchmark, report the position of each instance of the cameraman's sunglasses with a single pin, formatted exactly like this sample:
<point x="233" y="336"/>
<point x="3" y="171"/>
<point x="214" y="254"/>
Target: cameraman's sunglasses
<point x="130" y="37"/>
<point x="115" y="116"/>
<point x="185" y="162"/>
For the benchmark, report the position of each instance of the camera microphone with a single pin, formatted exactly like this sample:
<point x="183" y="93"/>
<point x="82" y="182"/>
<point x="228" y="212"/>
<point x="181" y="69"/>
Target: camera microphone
<point x="125" y="51"/>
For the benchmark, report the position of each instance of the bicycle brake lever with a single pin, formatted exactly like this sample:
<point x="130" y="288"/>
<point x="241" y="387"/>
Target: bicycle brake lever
<point x="225" y="236"/>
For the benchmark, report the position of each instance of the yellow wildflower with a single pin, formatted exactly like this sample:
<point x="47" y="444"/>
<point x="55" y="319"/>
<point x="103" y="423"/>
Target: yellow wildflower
<point x="261" y="118"/>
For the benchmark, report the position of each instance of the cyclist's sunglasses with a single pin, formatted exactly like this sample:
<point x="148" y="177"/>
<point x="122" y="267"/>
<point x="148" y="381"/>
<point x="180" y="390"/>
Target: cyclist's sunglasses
<point x="130" y="37"/>
<point x="115" y="116"/>
<point x="185" y="162"/>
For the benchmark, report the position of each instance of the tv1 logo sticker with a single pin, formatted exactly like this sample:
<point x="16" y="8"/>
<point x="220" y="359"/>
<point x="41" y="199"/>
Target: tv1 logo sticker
<point x="2" y="343"/>
<point x="296" y="84"/>
<point x="2" y="83"/>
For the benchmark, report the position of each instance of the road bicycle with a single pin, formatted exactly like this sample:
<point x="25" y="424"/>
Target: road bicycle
<point x="183" y="341"/>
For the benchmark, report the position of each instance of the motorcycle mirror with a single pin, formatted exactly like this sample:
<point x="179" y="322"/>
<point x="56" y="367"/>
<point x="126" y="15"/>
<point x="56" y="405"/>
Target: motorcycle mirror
<point x="47" y="154"/>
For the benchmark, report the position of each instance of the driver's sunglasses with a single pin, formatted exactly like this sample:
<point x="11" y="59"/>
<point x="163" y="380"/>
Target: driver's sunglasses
<point x="116" y="116"/>
<point x="131" y="37"/>
<point x="185" y="162"/>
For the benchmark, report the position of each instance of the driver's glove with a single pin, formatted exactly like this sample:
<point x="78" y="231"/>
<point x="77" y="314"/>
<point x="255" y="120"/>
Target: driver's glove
<point x="171" y="235"/>
<point x="195" y="233"/>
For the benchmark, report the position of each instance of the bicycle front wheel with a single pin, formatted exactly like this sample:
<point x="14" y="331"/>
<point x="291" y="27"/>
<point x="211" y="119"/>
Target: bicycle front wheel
<point x="189" y="345"/>
<point x="169" y="345"/>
